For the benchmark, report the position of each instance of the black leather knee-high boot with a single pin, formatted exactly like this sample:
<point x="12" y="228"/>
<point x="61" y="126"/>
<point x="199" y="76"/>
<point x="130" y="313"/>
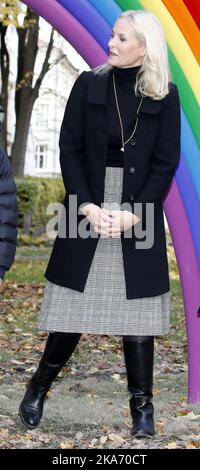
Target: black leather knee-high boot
<point x="58" y="349"/>
<point x="138" y="354"/>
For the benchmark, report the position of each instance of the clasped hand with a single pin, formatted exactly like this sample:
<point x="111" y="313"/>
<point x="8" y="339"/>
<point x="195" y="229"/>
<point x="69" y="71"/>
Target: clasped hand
<point x="109" y="223"/>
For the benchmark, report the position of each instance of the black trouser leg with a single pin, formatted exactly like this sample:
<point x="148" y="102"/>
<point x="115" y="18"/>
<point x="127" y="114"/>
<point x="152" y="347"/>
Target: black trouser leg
<point x="59" y="347"/>
<point x="139" y="355"/>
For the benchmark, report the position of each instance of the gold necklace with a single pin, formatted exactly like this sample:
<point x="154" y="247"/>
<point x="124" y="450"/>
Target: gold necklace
<point x="122" y="131"/>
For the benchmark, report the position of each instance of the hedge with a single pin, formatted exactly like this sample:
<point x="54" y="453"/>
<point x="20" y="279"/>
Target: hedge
<point x="34" y="194"/>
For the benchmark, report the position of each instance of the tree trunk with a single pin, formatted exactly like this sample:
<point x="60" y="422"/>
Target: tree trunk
<point x="21" y="134"/>
<point x="27" y="52"/>
<point x="5" y="64"/>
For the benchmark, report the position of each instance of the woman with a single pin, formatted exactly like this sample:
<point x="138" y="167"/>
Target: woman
<point x="120" y="145"/>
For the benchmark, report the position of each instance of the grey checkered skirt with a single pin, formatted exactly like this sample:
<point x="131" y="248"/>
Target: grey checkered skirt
<point x="103" y="307"/>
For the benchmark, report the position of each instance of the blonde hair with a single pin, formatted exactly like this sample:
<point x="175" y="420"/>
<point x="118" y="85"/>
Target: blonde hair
<point x="154" y="74"/>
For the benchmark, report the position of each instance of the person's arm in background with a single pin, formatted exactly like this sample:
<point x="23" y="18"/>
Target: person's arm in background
<point x="8" y="215"/>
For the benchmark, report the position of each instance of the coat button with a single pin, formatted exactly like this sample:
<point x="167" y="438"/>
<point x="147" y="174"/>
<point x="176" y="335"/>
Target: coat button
<point x="133" y="141"/>
<point x="132" y="169"/>
<point x="131" y="197"/>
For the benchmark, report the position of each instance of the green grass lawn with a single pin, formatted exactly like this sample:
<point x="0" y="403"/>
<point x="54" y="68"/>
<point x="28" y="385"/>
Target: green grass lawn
<point x="29" y="270"/>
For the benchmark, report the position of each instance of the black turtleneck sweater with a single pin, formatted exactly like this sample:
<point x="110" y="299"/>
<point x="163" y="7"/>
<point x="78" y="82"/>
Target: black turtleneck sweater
<point x="125" y="80"/>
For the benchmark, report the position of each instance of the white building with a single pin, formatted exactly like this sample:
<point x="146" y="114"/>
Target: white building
<point x="42" y="155"/>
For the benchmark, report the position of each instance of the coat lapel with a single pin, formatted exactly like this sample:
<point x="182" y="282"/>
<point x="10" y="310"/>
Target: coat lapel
<point x="98" y="92"/>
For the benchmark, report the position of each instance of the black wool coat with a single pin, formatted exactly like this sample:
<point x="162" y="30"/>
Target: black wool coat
<point x="149" y="166"/>
<point x="8" y="215"/>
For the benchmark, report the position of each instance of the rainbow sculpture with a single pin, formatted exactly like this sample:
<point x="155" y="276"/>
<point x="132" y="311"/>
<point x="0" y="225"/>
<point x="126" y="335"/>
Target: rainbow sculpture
<point x="86" y="24"/>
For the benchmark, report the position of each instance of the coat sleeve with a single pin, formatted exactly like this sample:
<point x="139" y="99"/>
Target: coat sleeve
<point x="72" y="143"/>
<point x="8" y="215"/>
<point x="166" y="153"/>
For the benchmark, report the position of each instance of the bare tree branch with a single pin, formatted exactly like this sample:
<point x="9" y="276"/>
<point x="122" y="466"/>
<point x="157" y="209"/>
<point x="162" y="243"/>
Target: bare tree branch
<point x="45" y="67"/>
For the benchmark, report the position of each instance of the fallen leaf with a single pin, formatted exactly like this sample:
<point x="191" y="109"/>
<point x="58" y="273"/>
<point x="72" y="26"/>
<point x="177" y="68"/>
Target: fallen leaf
<point x="28" y="437"/>
<point x="183" y="413"/>
<point x="193" y="445"/>
<point x="115" y="376"/>
<point x="188" y="414"/>
<point x="160" y="426"/>
<point x="192" y="416"/>
<point x="156" y="391"/>
<point x="171" y="445"/>
<point x="115" y="437"/>
<point x="44" y="438"/>
<point x="67" y="445"/>
<point x="103" y="439"/>
<point x="93" y="370"/>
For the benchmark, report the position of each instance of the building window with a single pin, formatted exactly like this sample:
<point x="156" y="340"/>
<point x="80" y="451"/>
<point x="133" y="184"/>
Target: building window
<point x="42" y="115"/>
<point x="41" y="157"/>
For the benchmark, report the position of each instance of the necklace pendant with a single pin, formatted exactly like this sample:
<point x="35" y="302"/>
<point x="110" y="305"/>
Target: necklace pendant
<point x="122" y="149"/>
